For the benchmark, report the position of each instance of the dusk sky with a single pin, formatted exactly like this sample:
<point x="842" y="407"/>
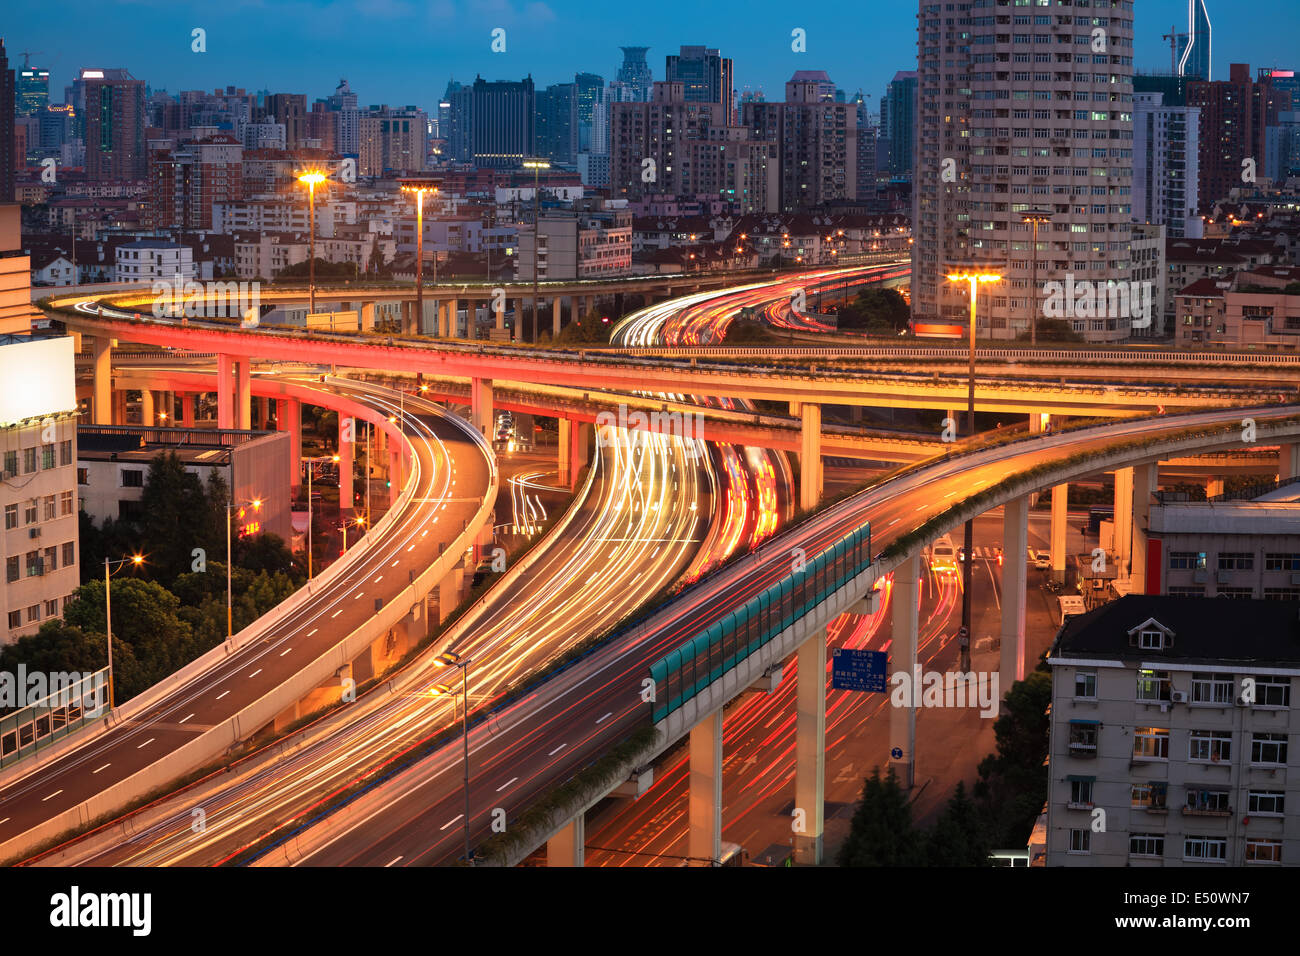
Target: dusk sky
<point x="402" y="52"/>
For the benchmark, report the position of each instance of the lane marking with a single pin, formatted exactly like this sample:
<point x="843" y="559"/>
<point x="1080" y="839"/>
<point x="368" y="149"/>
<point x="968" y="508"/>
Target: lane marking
<point x="391" y="862"/>
<point x="506" y="784"/>
<point x="557" y="750"/>
<point x="610" y="714"/>
<point x="255" y="673"/>
<point x="183" y="719"/>
<point x="285" y="651"/>
<point x="105" y="767"/>
<point x="222" y="694"/>
<point x="336" y="614"/>
<point x="451" y="821"/>
<point x="147" y="742"/>
<point x="894" y="522"/>
<point x="360" y="595"/>
<point x="52" y="796"/>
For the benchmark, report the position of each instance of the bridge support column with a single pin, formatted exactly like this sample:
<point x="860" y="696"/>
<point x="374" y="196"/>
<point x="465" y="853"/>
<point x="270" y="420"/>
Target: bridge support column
<point x="187" y="409"/>
<point x="225" y="392"/>
<point x="119" y="407"/>
<point x="810" y="453"/>
<point x="480" y="391"/>
<point x="500" y="312"/>
<point x="244" y="396"/>
<point x="394" y="474"/>
<point x="103" y="378"/>
<point x="148" y="416"/>
<point x="902" y="720"/>
<point x="810" y="748"/>
<point x="1015" y="543"/>
<point x="1288" y="461"/>
<point x="1123" y="540"/>
<point x="453" y="318"/>
<point x="565" y="453"/>
<point x="449" y="593"/>
<point x="1060" y="512"/>
<point x="1213" y="487"/>
<point x="289" y="419"/>
<point x="575" y="309"/>
<point x="566" y="847"/>
<point x="704" y="842"/>
<point x="555" y="316"/>
<point x="347" y="441"/>
<point x="1146" y="482"/>
<point x="367" y="317"/>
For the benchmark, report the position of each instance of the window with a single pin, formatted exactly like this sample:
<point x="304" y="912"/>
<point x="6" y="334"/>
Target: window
<point x="83" y="476"/>
<point x="1085" y="685"/>
<point x="132" y="478"/>
<point x="1236" y="561"/>
<point x="1080" y="840"/>
<point x="33" y="614"/>
<point x="52" y="608"/>
<point x="1268" y="749"/>
<point x="1282" y="562"/>
<point x="11" y="516"/>
<point x="1153" y="685"/>
<point x="1212" y="689"/>
<point x="1081" y="792"/>
<point x="51" y="558"/>
<point x="11" y="462"/>
<point x="1151" y="640"/>
<point x="51" y="508"/>
<point x="11" y="569"/>
<point x="1272" y="691"/>
<point x="32" y="560"/>
<point x="1207" y="801"/>
<point x="29" y="460"/>
<point x="47" y="457"/>
<point x="1211" y="745"/>
<point x="1186" y="560"/>
<point x="1146" y="844"/>
<point x="67" y="503"/>
<point x="69" y="553"/>
<point x="1263" y="851"/>
<point x="29" y="512"/>
<point x="15" y="619"/>
<point x="1205" y="848"/>
<point x="1150" y="796"/>
<point x="1150" y="743"/>
<point x="1237" y="594"/>
<point x="65" y="452"/>
<point x="1268" y="802"/>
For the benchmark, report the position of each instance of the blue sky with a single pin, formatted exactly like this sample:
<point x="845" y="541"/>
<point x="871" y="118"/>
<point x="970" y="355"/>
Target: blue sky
<point x="403" y="51"/>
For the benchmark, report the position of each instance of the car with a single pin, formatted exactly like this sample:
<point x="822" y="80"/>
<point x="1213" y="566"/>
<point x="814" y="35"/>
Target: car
<point x="1042" y="559"/>
<point x="943" y="556"/>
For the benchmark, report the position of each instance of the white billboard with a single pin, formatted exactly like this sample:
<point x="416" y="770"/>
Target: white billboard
<point x="37" y="378"/>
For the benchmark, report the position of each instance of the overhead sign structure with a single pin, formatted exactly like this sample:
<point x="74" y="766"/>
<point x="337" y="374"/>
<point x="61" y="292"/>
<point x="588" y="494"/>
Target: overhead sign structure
<point x="858" y="669"/>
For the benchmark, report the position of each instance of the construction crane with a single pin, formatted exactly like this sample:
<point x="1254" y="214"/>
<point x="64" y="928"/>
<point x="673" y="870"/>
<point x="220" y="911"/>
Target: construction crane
<point x="27" y="57"/>
<point x="1173" y="36"/>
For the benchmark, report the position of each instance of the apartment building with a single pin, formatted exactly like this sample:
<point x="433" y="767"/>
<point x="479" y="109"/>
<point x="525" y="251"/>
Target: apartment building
<point x="1227" y="549"/>
<point x="1021" y="108"/>
<point x="1171" y="733"/>
<point x="1166" y="165"/>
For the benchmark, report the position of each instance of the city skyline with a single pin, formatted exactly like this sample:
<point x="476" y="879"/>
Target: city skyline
<point x="548" y="41"/>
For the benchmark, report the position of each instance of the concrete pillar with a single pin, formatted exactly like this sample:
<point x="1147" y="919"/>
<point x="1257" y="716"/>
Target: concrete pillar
<point x="244" y="395"/>
<point x="187" y="409"/>
<point x="1060" y="514"/>
<point x="902" y="720"/>
<point x="347" y="441"/>
<point x="501" y="314"/>
<point x="555" y="316"/>
<point x="103" y="376"/>
<point x="449" y="593"/>
<point x="367" y="317"/>
<point x="1288" y="461"/>
<point x="1146" y="482"/>
<point x="1038" y="422"/>
<point x="566" y="453"/>
<point x="453" y="318"/>
<point x="1015" y="541"/>
<point x="704" y="842"/>
<point x="225" y="391"/>
<point x="119" y="407"/>
<point x="1123" y="518"/>
<point x="579" y="437"/>
<point x="394" y="474"/>
<point x="566" y="847"/>
<point x="290" y="420"/>
<point x="481" y="416"/>
<point x="1213" y="487"/>
<point x="575" y="306"/>
<point x="810" y="456"/>
<point x="148" y="416"/>
<point x="810" y="747"/>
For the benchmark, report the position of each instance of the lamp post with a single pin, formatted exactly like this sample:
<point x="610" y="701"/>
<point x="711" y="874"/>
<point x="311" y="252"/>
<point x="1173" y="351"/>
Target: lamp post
<point x="311" y="179"/>
<point x="536" y="165"/>
<point x="451" y="659"/>
<point x="974" y="277"/>
<point x="419" y="187"/>
<point x="360" y="523"/>
<point x="137" y="560"/>
<point x="230" y="617"/>
<point x="1034" y="217"/>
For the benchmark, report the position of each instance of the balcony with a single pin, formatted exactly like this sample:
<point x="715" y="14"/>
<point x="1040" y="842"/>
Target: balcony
<point x="1193" y="812"/>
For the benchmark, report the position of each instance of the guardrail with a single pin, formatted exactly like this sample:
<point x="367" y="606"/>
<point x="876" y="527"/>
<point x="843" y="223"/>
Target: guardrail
<point x="831" y="352"/>
<point x="57" y="715"/>
<point x="684" y="672"/>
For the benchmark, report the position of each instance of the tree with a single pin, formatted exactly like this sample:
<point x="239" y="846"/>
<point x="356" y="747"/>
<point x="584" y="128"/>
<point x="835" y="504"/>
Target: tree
<point x="882" y="833"/>
<point x="1051" y="330"/>
<point x="876" y="310"/>
<point x="592" y="329"/>
<point x="62" y="647"/>
<point x="958" y="837"/>
<point x="171" y="518"/>
<point x="1012" y="785"/>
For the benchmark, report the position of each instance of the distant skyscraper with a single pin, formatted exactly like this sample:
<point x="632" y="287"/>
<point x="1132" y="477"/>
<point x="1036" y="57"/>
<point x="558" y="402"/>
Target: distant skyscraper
<point x="867" y="140"/>
<point x="502" y="122"/>
<point x="557" y="123"/>
<point x="1166" y="160"/>
<point x="6" y="127"/>
<point x="636" y="73"/>
<point x="347" y="132"/>
<point x="114" y="124"/>
<point x="898" y="122"/>
<point x="31" y="91"/>
<point x="453" y="121"/>
<point x="1235" y="114"/>
<point x="290" y="110"/>
<point x="1171" y="86"/>
<point x="706" y="76"/>
<point x="590" y="90"/>
<point x="1194" y="51"/>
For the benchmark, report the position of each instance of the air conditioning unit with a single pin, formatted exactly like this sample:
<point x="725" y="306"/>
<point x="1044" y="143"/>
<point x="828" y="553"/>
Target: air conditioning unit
<point x="1178" y="697"/>
<point x="33" y="532"/>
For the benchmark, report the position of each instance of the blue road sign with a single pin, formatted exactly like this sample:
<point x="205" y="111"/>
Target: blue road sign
<point x="857" y="669"/>
<point x="897" y="753"/>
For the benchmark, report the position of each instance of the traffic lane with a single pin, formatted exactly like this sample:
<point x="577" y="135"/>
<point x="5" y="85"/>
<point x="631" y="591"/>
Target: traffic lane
<point x="223" y="690"/>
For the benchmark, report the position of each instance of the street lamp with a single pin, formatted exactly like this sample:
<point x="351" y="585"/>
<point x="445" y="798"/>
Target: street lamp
<point x="136" y="560"/>
<point x="974" y="277"/>
<point x="311" y="179"/>
<point x="1034" y="217"/>
<point x="419" y="187"/>
<point x="359" y="522"/>
<point x="536" y="165"/>
<point x="452" y="659"/>
<point x="230" y="617"/>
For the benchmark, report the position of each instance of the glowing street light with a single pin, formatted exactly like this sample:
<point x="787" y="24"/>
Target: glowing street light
<point x="974" y="277"/>
<point x="311" y="179"/>
<point x="135" y="560"/>
<point x="1035" y="217"/>
<point x="419" y="187"/>
<point x="452" y="659"/>
<point x="256" y="504"/>
<point x="536" y="165"/>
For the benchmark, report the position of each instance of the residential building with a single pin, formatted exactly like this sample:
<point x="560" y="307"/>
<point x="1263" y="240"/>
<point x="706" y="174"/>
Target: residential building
<point x="1235" y="113"/>
<point x="502" y="123"/>
<point x="1166" y="165"/>
<point x="1173" y="724"/>
<point x="1242" y="549"/>
<point x="187" y="183"/>
<point x="587" y="242"/>
<point x="7" y="167"/>
<point x="898" y="122"/>
<point x="114" y="125"/>
<point x="646" y="138"/>
<point x="1148" y="258"/>
<point x="152" y="260"/>
<point x="1008" y="121"/>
